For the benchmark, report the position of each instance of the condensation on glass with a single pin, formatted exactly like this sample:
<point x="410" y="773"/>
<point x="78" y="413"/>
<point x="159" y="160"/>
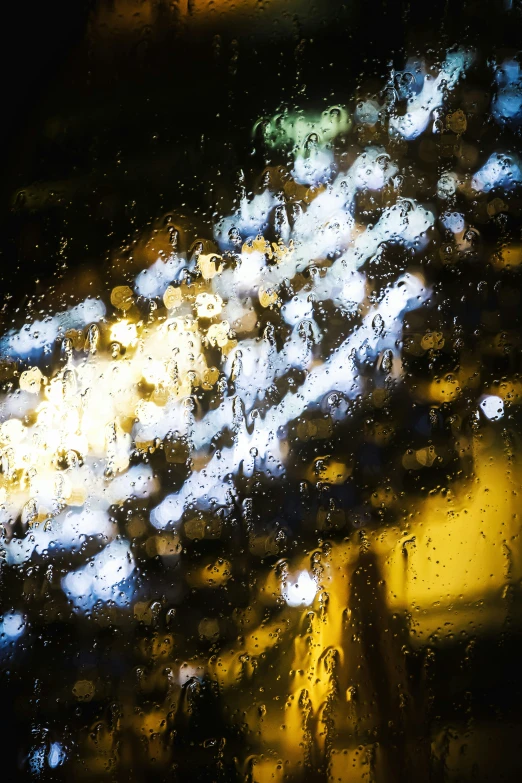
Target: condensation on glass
<point x="260" y="485"/>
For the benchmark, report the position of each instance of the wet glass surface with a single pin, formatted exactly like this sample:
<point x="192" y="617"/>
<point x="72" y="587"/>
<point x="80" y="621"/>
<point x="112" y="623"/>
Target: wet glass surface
<point x="260" y="367"/>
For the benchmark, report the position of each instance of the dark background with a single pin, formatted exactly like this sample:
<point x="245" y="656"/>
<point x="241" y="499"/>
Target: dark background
<point x="105" y="128"/>
<point x="109" y="121"/>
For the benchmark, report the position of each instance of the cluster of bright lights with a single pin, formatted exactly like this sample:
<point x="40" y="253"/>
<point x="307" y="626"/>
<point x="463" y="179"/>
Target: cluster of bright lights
<point x="125" y="385"/>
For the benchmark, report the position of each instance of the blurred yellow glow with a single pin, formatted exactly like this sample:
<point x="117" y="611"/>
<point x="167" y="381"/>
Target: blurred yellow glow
<point x="443" y="572"/>
<point x="268" y="297"/>
<point x="122" y="297"/>
<point x="124" y="333"/>
<point x="459" y="552"/>
<point x="218" y="334"/>
<point x="208" y="305"/>
<point x="172" y="297"/>
<point x="31" y="380"/>
<point x="208" y="265"/>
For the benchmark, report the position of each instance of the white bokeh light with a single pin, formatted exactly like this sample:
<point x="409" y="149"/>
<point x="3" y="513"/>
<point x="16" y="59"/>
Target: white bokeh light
<point x="300" y="592"/>
<point x="492" y="407"/>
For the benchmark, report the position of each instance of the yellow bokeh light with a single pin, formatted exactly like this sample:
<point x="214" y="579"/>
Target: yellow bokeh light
<point x="124" y="333"/>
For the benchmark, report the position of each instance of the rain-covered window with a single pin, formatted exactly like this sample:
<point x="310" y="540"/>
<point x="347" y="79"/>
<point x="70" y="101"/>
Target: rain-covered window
<point x="260" y="389"/>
